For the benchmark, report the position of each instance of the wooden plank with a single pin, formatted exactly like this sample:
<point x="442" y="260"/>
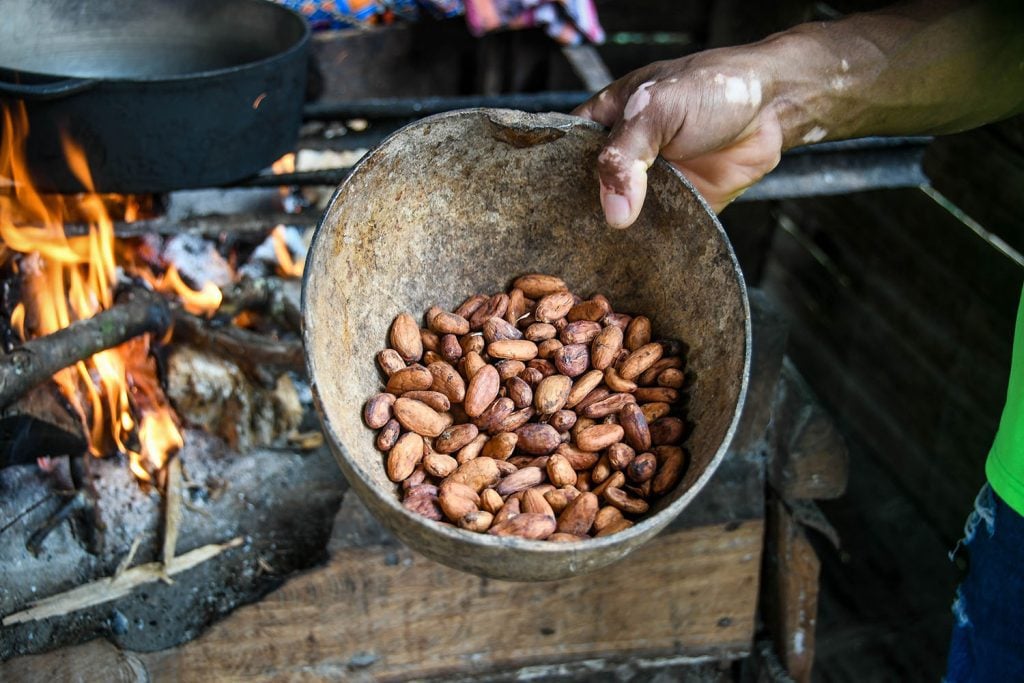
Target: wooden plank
<point x="810" y="459"/>
<point x="385" y="612"/>
<point x="902" y="322"/>
<point x="982" y="172"/>
<point x="790" y="596"/>
<point x="94" y="661"/>
<point x="769" y="333"/>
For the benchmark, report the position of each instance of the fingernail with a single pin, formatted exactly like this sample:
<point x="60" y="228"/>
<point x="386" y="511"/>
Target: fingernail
<point x="616" y="210"/>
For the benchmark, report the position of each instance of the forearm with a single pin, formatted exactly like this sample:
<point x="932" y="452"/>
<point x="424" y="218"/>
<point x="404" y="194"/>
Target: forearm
<point x="916" y="69"/>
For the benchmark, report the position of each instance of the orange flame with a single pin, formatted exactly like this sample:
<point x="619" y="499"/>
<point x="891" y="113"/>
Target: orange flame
<point x="286" y="164"/>
<point x="66" y="279"/>
<point x="287" y="266"/>
<point x="204" y="301"/>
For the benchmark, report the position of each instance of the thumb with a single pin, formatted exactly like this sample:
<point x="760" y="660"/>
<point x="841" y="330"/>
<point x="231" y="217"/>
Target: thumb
<point x="622" y="165"/>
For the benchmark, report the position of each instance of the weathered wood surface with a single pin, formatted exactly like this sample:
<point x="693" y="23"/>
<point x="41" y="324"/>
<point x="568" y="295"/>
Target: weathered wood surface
<point x="810" y="458"/>
<point x="769" y="332"/>
<point x="790" y="594"/>
<point x="386" y="613"/>
<point x="982" y="172"/>
<point x="902" y="321"/>
<point x="389" y="613"/>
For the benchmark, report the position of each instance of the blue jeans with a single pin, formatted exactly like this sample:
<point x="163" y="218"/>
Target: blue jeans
<point x="988" y="624"/>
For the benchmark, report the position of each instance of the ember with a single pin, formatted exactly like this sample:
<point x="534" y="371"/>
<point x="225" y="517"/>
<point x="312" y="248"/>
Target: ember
<point x="115" y="393"/>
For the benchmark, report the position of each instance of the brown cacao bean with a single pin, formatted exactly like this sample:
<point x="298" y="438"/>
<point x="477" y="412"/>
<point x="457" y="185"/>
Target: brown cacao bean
<point x="572" y="360"/>
<point x="493" y="307"/>
<point x="404" y="456"/>
<point x="525" y="525"/>
<point x="599" y="437"/>
<point x="412" y="378"/>
<point x="636" y="431"/>
<point x="388" y="435"/>
<point x="538" y="332"/>
<point x="578" y="516"/>
<point x="455" y="437"/>
<point x="642" y="468"/>
<point x="537" y="285"/>
<point x="537" y="439"/>
<point x="553" y="306"/>
<point x="638" y="333"/>
<point x="497" y="329"/>
<point x="405" y="337"/>
<point x="482" y="390"/>
<point x="377" y="410"/>
<point x="418" y="417"/>
<point x="639" y="360"/>
<point x="434" y="399"/>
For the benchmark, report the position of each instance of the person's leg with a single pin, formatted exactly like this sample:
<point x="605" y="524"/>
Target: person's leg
<point x="988" y="631"/>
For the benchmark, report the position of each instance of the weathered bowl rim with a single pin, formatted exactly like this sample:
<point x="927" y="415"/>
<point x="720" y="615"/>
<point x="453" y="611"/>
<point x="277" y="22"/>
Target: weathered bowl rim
<point x="643" y="529"/>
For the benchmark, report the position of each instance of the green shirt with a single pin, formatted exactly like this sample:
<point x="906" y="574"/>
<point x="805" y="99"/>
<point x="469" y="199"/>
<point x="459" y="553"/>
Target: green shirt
<point x="1005" y="466"/>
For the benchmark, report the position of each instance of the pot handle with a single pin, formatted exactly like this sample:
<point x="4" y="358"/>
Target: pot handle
<point x="47" y="91"/>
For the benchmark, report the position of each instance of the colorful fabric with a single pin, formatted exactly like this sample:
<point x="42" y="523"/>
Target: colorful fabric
<point x="1005" y="466"/>
<point x="570" y="22"/>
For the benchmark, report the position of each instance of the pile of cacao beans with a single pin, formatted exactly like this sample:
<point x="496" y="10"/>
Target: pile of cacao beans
<point x="532" y="413"/>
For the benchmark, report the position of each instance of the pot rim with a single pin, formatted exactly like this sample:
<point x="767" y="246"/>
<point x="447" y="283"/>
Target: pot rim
<point x="298" y="46"/>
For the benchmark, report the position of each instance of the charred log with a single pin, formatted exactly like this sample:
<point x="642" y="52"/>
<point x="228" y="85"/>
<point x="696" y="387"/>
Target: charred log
<point x="39" y="423"/>
<point x="35" y="361"/>
<point x="252" y="351"/>
<point x="263" y="295"/>
<point x="255" y="226"/>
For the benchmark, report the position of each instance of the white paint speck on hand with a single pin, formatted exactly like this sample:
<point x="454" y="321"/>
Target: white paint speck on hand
<point x="638" y="101"/>
<point x="815" y="134"/>
<point x="739" y="91"/>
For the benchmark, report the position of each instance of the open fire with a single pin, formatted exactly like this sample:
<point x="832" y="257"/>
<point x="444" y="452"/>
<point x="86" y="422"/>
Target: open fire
<point x="116" y="393"/>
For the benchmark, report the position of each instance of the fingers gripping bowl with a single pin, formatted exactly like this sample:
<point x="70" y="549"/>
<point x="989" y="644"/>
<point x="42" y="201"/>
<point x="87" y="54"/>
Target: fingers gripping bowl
<point x="465" y="201"/>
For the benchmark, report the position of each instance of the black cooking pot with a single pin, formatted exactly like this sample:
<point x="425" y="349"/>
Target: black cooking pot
<point x="160" y="94"/>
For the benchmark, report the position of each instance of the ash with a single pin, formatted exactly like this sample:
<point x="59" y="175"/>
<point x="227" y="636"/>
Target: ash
<point x="282" y="503"/>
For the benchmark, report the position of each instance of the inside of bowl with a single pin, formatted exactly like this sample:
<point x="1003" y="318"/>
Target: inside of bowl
<point x="461" y="204"/>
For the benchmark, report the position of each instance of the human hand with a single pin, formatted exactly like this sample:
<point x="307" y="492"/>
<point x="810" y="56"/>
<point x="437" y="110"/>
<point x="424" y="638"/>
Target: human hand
<point x="707" y="114"/>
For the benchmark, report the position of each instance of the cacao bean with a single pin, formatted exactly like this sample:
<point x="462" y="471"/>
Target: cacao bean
<point x="537" y="285"/>
<point x="404" y="456"/>
<point x="390" y="362"/>
<point x="405" y="337"/>
<point x="599" y="437"/>
<point x="377" y="411"/>
<point x="482" y="390"/>
<point x="513" y="349"/>
<point x="497" y="329"/>
<point x="388" y="435"/>
<point x="537" y="439"/>
<point x="538" y="332"/>
<point x="525" y="525"/>
<point x="553" y="306"/>
<point x="572" y="360"/>
<point x="638" y="333"/>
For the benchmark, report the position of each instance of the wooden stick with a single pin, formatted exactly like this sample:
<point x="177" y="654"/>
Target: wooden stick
<point x="241" y="346"/>
<point x="172" y="510"/>
<point x="259" y="294"/>
<point x="107" y="589"/>
<point x="253" y="225"/>
<point x="37" y="360"/>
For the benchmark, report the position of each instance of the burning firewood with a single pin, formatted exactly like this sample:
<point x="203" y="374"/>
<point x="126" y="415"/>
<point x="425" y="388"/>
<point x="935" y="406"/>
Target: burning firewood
<point x="39" y="424"/>
<point x="35" y="361"/>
